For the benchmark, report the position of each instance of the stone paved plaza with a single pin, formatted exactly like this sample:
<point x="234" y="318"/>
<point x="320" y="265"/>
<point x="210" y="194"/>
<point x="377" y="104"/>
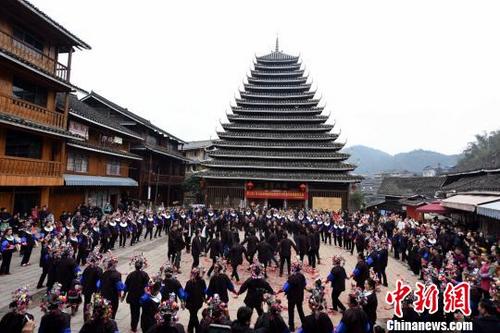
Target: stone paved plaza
<point x="156" y="251"/>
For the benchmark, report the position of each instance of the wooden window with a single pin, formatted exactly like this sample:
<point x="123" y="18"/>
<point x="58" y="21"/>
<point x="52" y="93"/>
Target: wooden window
<point x="23" y="144"/>
<point x="113" y="168"/>
<point x="77" y="162"/>
<point x="29" y="92"/>
<point x="151" y="140"/>
<point x="79" y="129"/>
<point x="28" y="39"/>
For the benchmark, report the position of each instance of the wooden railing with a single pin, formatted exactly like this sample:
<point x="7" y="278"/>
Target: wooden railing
<point x="33" y="112"/>
<point x="18" y="166"/>
<point x="33" y="56"/>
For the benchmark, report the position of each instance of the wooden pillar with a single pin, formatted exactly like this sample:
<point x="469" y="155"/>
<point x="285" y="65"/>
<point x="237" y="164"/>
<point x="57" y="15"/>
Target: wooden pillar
<point x="44" y="196"/>
<point x="3" y="137"/>
<point x="168" y="184"/>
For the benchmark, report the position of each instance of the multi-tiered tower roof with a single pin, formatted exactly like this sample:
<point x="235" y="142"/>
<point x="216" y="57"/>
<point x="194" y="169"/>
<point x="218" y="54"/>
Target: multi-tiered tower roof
<point x="277" y="132"/>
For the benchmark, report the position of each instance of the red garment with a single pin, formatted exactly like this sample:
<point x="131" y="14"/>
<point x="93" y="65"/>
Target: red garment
<point x="485" y="277"/>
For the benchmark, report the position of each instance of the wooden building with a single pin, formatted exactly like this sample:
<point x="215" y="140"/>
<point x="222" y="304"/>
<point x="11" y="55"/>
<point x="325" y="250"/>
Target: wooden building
<point x="404" y="195"/>
<point x="277" y="149"/>
<point x="35" y="64"/>
<point x="97" y="168"/>
<point x="160" y="172"/>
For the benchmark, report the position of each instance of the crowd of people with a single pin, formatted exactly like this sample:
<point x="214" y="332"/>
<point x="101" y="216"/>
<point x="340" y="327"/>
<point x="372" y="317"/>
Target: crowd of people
<point x="78" y="266"/>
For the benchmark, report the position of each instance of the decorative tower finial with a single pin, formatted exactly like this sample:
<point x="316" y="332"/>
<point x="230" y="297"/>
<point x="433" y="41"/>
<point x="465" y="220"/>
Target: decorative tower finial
<point x="277" y="43"/>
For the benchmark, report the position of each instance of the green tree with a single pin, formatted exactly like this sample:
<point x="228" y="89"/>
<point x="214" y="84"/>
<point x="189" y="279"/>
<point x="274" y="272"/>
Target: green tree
<point x="192" y="188"/>
<point x="484" y="152"/>
<point x="357" y="200"/>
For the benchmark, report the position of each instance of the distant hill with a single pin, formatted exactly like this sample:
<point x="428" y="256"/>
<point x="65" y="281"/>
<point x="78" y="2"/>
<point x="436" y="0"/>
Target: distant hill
<point x="371" y="161"/>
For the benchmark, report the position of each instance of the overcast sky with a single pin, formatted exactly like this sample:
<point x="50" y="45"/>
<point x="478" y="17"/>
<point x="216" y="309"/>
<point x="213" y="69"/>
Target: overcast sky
<point x="396" y="75"/>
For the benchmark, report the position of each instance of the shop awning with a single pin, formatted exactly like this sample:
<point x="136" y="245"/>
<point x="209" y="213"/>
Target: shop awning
<point x="467" y="202"/>
<point x="81" y="180"/>
<point x="491" y="209"/>
<point x="434" y="207"/>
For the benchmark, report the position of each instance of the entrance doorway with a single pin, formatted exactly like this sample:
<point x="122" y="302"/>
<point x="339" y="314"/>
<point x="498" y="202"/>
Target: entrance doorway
<point x="25" y="200"/>
<point x="275" y="203"/>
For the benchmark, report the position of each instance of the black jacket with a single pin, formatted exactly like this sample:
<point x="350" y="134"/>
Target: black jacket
<point x="135" y="284"/>
<point x="265" y="251"/>
<point x="382" y="258"/>
<point x="215" y="247"/>
<point x="285" y="247"/>
<point x="236" y="254"/>
<point x="90" y="276"/>
<point x="488" y="324"/>
<point x="296" y="284"/>
<point x="322" y="324"/>
<point x="363" y="272"/>
<point x="220" y="284"/>
<point x="65" y="272"/>
<point x="302" y="243"/>
<point x="170" y="285"/>
<point x="196" y="248"/>
<point x="355" y="320"/>
<point x="337" y="278"/>
<point x="256" y="290"/>
<point x="54" y="321"/>
<point x="195" y="291"/>
<point x="370" y="307"/>
<point x="109" y="281"/>
<point x="251" y="242"/>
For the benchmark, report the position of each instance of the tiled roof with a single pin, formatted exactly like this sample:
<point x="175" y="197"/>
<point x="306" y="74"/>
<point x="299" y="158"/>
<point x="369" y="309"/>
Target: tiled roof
<point x="42" y="15"/>
<point x="130" y="115"/>
<point x="162" y="150"/>
<point x="410" y="186"/>
<point x="278" y="144"/>
<point x="23" y="123"/>
<point x="276" y="154"/>
<point x="327" y="177"/>
<point x="284" y="165"/>
<point x="482" y="181"/>
<point x="279" y="136"/>
<point x="196" y="145"/>
<point x="82" y="110"/>
<point x="279" y="56"/>
<point x="104" y="150"/>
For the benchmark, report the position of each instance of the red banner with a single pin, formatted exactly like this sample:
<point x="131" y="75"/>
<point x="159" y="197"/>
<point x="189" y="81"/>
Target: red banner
<point x="268" y="194"/>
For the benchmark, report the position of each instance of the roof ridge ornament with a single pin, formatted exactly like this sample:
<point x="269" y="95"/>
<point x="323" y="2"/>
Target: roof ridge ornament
<point x="277" y="44"/>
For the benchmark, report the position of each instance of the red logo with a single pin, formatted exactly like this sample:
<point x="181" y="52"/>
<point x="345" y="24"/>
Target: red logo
<point x="427" y="298"/>
<point x="396" y="297"/>
<point x="455" y="298"/>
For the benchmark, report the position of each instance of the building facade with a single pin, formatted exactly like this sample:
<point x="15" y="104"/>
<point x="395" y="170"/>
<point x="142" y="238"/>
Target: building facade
<point x="35" y="65"/>
<point x="96" y="169"/>
<point x="277" y="150"/>
<point x="160" y="171"/>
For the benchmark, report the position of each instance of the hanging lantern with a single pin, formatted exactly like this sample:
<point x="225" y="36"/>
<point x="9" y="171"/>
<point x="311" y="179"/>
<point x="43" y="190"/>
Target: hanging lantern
<point x="302" y="187"/>
<point x="249" y="186"/>
<point x="202" y="183"/>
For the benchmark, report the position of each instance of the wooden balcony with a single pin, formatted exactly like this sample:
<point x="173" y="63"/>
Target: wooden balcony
<point x="162" y="179"/>
<point x="33" y="56"/>
<point x="18" y="171"/>
<point x="29" y="111"/>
